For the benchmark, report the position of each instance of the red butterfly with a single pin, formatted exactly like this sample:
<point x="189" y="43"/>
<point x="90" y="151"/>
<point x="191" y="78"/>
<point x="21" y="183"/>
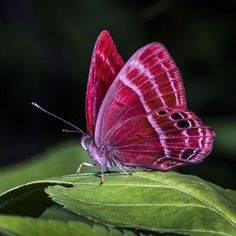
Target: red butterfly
<point x="137" y="114"/>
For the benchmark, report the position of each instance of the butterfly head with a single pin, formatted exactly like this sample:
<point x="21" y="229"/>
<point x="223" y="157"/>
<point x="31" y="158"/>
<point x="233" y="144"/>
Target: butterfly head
<point x="86" y="141"/>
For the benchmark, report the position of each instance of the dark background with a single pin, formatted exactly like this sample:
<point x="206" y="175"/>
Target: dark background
<point x="45" y="50"/>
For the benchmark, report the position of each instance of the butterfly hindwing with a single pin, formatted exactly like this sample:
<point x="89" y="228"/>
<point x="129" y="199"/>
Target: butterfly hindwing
<point x="162" y="140"/>
<point x="105" y="65"/>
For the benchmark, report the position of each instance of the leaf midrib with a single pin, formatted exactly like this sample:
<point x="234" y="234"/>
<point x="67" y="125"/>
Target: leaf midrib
<point x="133" y="205"/>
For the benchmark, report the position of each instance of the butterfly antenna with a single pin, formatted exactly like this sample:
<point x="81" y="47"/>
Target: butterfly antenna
<point x="57" y="117"/>
<point x="70" y="131"/>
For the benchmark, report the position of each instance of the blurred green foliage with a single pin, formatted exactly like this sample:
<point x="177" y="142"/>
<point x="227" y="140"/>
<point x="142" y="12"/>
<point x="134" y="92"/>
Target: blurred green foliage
<point x="60" y="160"/>
<point x="45" y="50"/>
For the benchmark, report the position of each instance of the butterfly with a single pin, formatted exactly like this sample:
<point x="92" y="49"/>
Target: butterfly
<point x="136" y="113"/>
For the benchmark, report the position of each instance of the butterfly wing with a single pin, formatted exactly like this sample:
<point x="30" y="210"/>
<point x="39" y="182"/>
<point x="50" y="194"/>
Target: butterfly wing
<point x="148" y="81"/>
<point x="143" y="118"/>
<point x="105" y="65"/>
<point x="162" y="140"/>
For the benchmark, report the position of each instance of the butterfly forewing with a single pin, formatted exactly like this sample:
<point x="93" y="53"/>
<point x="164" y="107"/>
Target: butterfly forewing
<point x="105" y="65"/>
<point x="148" y="81"/>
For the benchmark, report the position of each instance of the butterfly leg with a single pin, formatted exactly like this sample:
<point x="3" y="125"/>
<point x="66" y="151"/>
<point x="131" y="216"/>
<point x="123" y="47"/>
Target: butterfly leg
<point x="84" y="164"/>
<point x="102" y="174"/>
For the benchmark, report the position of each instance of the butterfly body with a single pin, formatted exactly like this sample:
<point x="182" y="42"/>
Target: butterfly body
<point x="101" y="156"/>
<point x="137" y="112"/>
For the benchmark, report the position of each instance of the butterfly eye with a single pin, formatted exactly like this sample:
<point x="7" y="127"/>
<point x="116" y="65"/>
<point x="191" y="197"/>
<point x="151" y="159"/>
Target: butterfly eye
<point x="183" y="124"/>
<point x="161" y="113"/>
<point x="176" y="116"/>
<point x="86" y="142"/>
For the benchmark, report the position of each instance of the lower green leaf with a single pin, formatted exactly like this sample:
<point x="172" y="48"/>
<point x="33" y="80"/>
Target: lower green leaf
<point x="25" y="226"/>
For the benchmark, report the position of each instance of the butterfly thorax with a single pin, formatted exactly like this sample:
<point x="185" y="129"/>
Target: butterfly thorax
<point x="100" y="155"/>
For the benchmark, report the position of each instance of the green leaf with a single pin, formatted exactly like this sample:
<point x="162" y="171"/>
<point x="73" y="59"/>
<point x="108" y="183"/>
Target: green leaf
<point x="60" y="160"/>
<point x="162" y="202"/>
<point x="56" y="212"/>
<point x="29" y="199"/>
<point x="25" y="226"/>
<point x="157" y="201"/>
